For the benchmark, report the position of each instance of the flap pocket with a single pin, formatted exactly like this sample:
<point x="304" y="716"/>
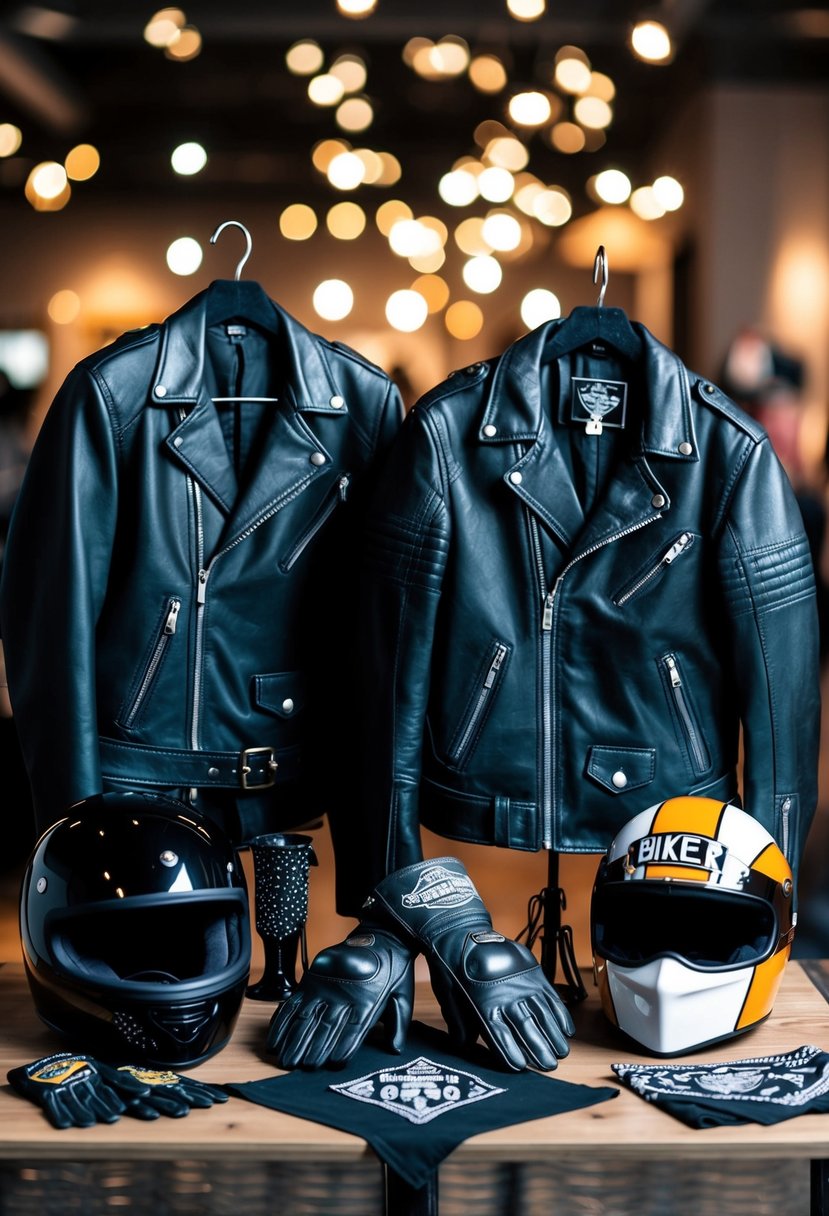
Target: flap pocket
<point x="619" y="769"/>
<point x="281" y="693"/>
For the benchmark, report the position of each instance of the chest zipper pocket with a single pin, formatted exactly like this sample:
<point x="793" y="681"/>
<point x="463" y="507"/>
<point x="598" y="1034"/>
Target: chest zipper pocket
<point x="471" y="723"/>
<point x="653" y="574"/>
<point x="151" y="668"/>
<point x="678" y="693"/>
<point x="337" y="495"/>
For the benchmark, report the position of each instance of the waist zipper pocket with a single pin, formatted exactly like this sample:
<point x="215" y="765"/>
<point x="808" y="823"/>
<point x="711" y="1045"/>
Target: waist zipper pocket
<point x="697" y="749"/>
<point x="337" y="495"/>
<point x="467" y="731"/>
<point x="680" y="545"/>
<point x="166" y="632"/>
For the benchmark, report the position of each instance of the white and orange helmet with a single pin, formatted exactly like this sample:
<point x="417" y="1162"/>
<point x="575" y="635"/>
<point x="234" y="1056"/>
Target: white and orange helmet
<point x="691" y="923"/>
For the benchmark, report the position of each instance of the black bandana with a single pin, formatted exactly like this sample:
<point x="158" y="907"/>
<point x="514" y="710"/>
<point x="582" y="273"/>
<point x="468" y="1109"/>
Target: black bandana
<point x="415" y="1108"/>
<point x="765" y="1089"/>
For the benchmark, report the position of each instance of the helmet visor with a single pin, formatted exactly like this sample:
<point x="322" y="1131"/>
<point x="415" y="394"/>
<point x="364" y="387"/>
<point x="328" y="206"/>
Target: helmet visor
<point x="634" y="923"/>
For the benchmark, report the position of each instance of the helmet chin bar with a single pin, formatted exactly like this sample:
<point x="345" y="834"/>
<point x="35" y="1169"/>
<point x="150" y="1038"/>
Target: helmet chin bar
<point x="670" y="1008"/>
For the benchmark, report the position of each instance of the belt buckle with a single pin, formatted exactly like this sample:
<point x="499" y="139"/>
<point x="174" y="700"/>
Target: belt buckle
<point x="246" y="768"/>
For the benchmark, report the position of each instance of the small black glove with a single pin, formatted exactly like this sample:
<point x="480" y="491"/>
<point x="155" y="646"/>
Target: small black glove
<point x="168" y="1093"/>
<point x="485" y="983"/>
<point x="348" y="989"/>
<point x="76" y="1090"/>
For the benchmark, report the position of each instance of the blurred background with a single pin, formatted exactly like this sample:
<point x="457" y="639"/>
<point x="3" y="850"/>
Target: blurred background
<point x="425" y="182"/>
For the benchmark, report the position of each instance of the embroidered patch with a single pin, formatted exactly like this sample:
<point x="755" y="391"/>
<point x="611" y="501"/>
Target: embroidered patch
<point x="438" y="887"/>
<point x="599" y="403"/>
<point x="418" y="1091"/>
<point x="794" y="1079"/>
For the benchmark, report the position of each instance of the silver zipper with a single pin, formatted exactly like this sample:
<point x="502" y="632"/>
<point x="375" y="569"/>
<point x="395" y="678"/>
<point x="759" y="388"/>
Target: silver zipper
<point x="548" y="724"/>
<point x="697" y="754"/>
<point x="162" y="641"/>
<point x="665" y="560"/>
<point x="307" y="536"/>
<point x="546" y="696"/>
<point x="483" y="696"/>
<point x="785" y="807"/>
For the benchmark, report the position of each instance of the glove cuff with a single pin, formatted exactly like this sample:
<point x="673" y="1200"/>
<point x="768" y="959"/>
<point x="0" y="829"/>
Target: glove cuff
<point x="429" y="897"/>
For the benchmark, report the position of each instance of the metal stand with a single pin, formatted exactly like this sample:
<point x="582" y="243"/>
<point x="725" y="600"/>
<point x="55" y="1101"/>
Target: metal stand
<point x="544" y="922"/>
<point x="819" y="1200"/>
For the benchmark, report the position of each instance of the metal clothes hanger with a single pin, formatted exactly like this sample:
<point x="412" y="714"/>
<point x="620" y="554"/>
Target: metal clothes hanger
<point x="234" y="300"/>
<point x="605" y="326"/>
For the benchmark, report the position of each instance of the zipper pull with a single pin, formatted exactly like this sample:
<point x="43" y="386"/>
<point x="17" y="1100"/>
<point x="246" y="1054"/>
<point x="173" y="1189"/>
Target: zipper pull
<point x="343" y="488"/>
<point x="547" y="619"/>
<point x="495" y="666"/>
<point x="670" y="663"/>
<point x="201" y="588"/>
<point x="172" y="616"/>
<point x="676" y="549"/>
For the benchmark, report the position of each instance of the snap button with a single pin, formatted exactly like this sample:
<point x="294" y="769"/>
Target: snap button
<point x="516" y="478"/>
<point x="473" y="368"/>
<point x="288" y="705"/>
<point x="658" y="500"/>
<point x="212" y="771"/>
<point x="490" y="430"/>
<point x="709" y="388"/>
<point x="160" y="390"/>
<point x="178" y="441"/>
<point x="337" y="402"/>
<point x="619" y="779"/>
<point x="317" y="458"/>
<point x="685" y="448"/>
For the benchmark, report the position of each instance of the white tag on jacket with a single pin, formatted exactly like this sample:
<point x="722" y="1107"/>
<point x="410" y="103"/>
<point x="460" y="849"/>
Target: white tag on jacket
<point x="598" y="403"/>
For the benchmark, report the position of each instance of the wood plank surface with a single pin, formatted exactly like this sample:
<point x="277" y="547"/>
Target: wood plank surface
<point x="625" y="1128"/>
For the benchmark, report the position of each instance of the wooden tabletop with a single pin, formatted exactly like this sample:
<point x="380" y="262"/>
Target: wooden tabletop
<point x="626" y="1127"/>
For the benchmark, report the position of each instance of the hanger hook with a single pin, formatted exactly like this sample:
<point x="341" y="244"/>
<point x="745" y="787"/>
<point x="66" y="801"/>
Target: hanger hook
<point x="600" y="267"/>
<point x="248" y="243"/>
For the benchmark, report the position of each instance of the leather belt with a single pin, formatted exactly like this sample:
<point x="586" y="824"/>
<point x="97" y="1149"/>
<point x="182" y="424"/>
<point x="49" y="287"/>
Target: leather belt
<point x="250" y="768"/>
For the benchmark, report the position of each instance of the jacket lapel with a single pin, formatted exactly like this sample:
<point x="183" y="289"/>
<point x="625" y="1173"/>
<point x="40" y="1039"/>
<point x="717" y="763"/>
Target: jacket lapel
<point x="291" y="456"/>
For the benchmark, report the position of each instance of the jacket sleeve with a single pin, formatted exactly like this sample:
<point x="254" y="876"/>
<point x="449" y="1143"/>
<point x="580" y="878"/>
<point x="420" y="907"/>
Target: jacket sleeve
<point x="406" y="546"/>
<point x="54" y="580"/>
<point x="768" y="580"/>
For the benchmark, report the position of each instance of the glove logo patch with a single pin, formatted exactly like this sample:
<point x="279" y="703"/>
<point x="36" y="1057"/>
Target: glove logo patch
<point x="418" y="1091"/>
<point x="438" y="887"/>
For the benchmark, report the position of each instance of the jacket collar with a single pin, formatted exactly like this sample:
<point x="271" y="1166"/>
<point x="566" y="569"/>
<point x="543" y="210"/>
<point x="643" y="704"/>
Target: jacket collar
<point x="180" y="367"/>
<point x="290" y="457"/>
<point x="513" y="408"/>
<point x="513" y="413"/>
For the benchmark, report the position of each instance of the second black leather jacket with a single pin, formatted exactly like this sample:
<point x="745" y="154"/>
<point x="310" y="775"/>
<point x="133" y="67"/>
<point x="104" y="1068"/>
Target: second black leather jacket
<point x="564" y="627"/>
<point x="176" y="601"/>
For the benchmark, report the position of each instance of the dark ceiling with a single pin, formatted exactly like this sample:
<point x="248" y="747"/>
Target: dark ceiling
<point x="93" y="78"/>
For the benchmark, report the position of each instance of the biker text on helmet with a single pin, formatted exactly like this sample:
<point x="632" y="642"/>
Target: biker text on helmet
<point x="679" y="848"/>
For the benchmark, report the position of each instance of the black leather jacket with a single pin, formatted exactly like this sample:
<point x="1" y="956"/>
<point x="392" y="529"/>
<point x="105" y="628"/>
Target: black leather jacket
<point x="563" y="628"/>
<point x="176" y="594"/>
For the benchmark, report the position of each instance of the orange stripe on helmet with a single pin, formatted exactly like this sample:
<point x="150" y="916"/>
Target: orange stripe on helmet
<point x="763" y="989"/>
<point x="772" y="862"/>
<point x="681" y="873"/>
<point x="689" y="814"/>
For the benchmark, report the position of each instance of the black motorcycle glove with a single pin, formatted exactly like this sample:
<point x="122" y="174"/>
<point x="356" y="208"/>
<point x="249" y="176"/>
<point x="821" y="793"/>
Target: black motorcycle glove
<point x="486" y="984"/>
<point x="168" y="1093"/>
<point x="347" y="990"/>
<point x="76" y="1090"/>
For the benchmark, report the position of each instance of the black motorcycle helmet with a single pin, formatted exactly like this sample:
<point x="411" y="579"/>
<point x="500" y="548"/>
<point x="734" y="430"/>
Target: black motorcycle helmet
<point x="135" y="931"/>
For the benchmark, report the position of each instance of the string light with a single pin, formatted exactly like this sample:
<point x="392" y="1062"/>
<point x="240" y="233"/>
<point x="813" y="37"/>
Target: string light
<point x="651" y="41"/>
<point x="356" y="8"/>
<point x="529" y="109"/>
<point x="64" y="306"/>
<point x="333" y="299"/>
<point x="669" y="192"/>
<point x="464" y="320"/>
<point x="304" y="58"/>
<point x="406" y="310"/>
<point x="355" y="114"/>
<point x="539" y="305"/>
<point x="458" y="188"/>
<point x="188" y="159"/>
<point x="482" y="274"/>
<point x="526" y="10"/>
<point x="10" y="139"/>
<point x="572" y="71"/>
<point x="488" y="74"/>
<point x="298" y="222"/>
<point x="346" y="221"/>
<point x="82" y="163"/>
<point x="612" y="186"/>
<point x="325" y="90"/>
<point x="184" y="255"/>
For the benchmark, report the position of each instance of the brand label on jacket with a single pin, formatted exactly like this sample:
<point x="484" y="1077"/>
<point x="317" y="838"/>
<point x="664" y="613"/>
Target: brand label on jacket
<point x="418" y="1091"/>
<point x="598" y="403"/>
<point x="438" y="887"/>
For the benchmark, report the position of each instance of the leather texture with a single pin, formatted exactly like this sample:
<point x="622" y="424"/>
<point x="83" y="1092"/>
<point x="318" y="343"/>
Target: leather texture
<point x="563" y="628"/>
<point x="486" y="985"/>
<point x="348" y="989"/>
<point x="179" y="573"/>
